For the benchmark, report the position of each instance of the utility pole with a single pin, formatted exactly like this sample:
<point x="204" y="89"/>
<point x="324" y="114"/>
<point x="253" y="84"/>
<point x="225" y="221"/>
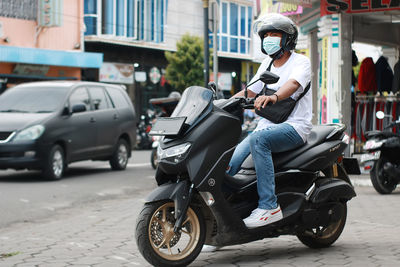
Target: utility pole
<point x="206" y="47"/>
<point x="215" y="43"/>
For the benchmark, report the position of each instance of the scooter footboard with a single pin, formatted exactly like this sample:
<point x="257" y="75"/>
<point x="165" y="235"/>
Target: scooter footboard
<point x="331" y="189"/>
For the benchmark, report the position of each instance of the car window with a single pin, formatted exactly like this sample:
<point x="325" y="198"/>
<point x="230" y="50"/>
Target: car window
<point x="99" y="98"/>
<point x="32" y="99"/>
<point x="80" y="96"/>
<point x="118" y="98"/>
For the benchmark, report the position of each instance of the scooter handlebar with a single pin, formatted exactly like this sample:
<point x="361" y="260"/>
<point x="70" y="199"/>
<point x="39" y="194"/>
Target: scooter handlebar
<point x="247" y="103"/>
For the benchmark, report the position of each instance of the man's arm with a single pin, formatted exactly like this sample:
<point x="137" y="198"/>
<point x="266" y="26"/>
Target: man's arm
<point x="249" y="94"/>
<point x="286" y="90"/>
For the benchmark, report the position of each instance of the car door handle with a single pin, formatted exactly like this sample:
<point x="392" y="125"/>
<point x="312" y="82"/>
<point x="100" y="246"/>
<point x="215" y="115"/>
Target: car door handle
<point x="116" y="116"/>
<point x="92" y="119"/>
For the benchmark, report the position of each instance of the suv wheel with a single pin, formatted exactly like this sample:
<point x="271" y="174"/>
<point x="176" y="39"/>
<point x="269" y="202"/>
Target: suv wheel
<point x="119" y="159"/>
<point x="55" y="163"/>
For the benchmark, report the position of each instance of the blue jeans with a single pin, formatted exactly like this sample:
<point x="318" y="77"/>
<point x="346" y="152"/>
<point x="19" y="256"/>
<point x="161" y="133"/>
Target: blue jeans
<point x="275" y="138"/>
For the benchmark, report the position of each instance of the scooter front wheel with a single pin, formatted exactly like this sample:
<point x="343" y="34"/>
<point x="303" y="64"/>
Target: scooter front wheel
<point x="324" y="236"/>
<point x="157" y="241"/>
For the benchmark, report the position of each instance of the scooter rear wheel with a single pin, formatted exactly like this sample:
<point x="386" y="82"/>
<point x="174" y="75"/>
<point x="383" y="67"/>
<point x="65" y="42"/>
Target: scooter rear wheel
<point x="157" y="241"/>
<point x="380" y="180"/>
<point x="323" y="237"/>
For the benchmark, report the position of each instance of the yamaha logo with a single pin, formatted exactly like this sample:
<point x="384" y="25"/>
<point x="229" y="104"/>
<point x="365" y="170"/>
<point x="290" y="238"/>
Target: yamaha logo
<point x="211" y="182"/>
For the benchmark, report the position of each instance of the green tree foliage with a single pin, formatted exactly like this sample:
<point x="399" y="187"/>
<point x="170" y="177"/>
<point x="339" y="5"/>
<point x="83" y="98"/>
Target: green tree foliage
<point x="185" y="66"/>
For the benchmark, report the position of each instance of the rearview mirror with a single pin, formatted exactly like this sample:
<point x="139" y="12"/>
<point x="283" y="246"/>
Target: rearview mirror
<point x="268" y="77"/>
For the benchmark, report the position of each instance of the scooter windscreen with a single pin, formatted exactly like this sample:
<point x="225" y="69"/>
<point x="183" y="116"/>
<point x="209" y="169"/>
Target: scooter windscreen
<point x="195" y="104"/>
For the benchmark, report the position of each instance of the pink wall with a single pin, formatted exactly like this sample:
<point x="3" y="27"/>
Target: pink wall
<point x="22" y="32"/>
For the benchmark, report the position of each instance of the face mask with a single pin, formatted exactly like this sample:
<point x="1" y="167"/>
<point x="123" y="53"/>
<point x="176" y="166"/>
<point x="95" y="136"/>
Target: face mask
<point x="271" y="44"/>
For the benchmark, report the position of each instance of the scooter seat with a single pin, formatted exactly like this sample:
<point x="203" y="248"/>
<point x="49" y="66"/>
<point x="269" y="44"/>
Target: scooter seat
<point x="317" y="136"/>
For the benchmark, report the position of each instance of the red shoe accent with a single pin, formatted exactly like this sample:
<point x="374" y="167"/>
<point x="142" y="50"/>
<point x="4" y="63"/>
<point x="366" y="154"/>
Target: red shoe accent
<point x="275" y="212"/>
<point x="265" y="218"/>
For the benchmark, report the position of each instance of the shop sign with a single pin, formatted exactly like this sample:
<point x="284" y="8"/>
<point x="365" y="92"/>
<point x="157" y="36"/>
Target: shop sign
<point x="303" y="3"/>
<point x="50" y="13"/>
<point x="154" y="75"/>
<point x="116" y="73"/>
<point x="269" y="6"/>
<point x="140" y="76"/>
<point x="28" y="69"/>
<point x="357" y="6"/>
<point x="324" y="81"/>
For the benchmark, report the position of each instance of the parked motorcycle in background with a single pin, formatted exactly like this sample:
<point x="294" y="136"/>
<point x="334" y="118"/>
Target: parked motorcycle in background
<point x="383" y="149"/>
<point x="143" y="139"/>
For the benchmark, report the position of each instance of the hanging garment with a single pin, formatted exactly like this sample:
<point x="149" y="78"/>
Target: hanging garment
<point x="387" y="120"/>
<point x="396" y="78"/>
<point x="367" y="76"/>
<point x="364" y="121"/>
<point x="370" y="113"/>
<point x="373" y="117"/>
<point x="394" y="107"/>
<point x="384" y="75"/>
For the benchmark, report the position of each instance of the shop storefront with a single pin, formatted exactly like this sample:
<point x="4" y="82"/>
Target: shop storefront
<point x="334" y="28"/>
<point x="21" y="64"/>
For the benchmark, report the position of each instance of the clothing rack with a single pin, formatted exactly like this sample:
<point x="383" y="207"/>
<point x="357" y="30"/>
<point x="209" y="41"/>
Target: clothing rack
<point x="363" y="116"/>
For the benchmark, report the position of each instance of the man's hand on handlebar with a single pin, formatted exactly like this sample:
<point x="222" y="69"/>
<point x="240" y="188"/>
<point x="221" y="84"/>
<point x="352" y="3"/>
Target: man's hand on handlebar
<point x="263" y="100"/>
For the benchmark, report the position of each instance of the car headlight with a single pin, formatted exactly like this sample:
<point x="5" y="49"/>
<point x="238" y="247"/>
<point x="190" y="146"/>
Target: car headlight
<point x="31" y="133"/>
<point x="175" y="153"/>
<point x="373" y="144"/>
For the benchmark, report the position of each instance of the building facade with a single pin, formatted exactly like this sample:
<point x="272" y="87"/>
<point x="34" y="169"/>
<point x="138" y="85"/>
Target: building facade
<point x="42" y="40"/>
<point x="134" y="34"/>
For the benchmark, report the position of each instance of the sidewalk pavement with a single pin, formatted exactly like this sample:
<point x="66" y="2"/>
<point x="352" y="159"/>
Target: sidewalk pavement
<point x="102" y="234"/>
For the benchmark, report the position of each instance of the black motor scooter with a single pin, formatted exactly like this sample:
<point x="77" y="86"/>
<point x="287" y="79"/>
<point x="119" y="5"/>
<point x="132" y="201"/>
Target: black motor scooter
<point x="197" y="203"/>
<point x="384" y="150"/>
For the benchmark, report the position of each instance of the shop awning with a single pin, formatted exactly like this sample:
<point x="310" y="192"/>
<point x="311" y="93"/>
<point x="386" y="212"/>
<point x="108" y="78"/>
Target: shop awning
<point x="73" y="59"/>
<point x="34" y="77"/>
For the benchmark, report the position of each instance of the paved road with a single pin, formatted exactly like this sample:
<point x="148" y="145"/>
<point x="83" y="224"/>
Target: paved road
<point x="25" y="196"/>
<point x="100" y="233"/>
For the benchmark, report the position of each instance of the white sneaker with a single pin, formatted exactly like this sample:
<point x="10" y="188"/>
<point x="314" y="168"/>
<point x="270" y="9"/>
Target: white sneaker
<point x="209" y="248"/>
<point x="260" y="217"/>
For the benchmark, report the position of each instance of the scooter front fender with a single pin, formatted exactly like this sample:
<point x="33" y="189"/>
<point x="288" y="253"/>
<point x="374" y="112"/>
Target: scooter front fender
<point x="177" y="192"/>
<point x="332" y="189"/>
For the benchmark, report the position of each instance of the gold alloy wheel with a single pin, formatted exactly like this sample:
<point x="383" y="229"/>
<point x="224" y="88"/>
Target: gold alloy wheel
<point x="167" y="244"/>
<point x="327" y="232"/>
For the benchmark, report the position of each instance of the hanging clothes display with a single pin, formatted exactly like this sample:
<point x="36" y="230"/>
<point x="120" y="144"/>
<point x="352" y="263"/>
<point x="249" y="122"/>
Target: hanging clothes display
<point x="396" y="78"/>
<point x="384" y="75"/>
<point x="367" y="76"/>
<point x="364" y="117"/>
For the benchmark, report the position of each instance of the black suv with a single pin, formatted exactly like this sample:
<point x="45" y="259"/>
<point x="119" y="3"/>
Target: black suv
<point x="46" y="125"/>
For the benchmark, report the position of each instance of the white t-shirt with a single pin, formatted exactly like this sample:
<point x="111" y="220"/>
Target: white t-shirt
<point x="298" y="67"/>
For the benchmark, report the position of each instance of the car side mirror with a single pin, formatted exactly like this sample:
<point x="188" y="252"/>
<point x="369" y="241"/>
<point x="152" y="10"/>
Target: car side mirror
<point x="78" y="108"/>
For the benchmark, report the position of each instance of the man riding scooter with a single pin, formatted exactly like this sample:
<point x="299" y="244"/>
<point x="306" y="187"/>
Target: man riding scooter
<point x="278" y="38"/>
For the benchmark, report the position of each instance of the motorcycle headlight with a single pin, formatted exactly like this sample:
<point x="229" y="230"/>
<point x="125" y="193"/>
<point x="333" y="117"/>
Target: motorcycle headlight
<point x="175" y="153"/>
<point x="31" y="133"/>
<point x="373" y="144"/>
